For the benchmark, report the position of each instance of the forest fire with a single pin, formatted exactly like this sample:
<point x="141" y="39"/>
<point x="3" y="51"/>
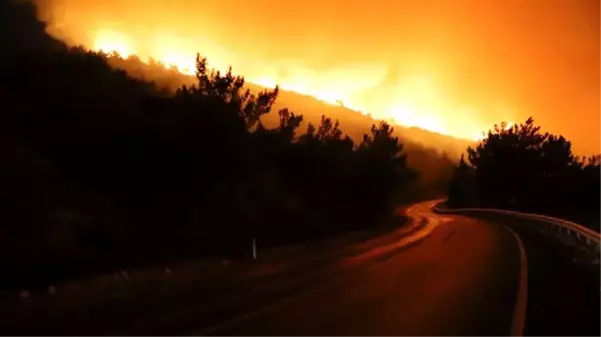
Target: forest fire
<point x="415" y="104"/>
<point x="415" y="96"/>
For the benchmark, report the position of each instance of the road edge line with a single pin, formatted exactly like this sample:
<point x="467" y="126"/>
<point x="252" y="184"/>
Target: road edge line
<point x="518" y="321"/>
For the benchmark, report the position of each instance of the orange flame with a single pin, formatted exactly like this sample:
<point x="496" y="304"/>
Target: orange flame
<point x="416" y="102"/>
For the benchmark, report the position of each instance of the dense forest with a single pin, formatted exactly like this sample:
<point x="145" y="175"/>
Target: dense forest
<point x="103" y="169"/>
<point x="525" y="169"/>
<point x="432" y="154"/>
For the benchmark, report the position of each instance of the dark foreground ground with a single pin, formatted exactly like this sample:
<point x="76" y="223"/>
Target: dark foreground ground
<point x="452" y="275"/>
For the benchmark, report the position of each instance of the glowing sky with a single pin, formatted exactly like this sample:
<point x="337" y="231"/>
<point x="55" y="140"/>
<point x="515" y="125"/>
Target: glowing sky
<point x="455" y="67"/>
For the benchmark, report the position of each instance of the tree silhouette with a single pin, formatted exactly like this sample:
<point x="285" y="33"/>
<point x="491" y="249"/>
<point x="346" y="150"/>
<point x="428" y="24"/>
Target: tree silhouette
<point x="520" y="167"/>
<point x="461" y="188"/>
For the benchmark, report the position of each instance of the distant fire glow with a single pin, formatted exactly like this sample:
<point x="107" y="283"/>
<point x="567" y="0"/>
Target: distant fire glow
<point x="109" y="41"/>
<point x="504" y="126"/>
<point x="415" y="105"/>
<point x="415" y="99"/>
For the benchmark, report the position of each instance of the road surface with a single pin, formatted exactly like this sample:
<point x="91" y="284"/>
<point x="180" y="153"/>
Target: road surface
<point x="452" y="275"/>
<point x="457" y="276"/>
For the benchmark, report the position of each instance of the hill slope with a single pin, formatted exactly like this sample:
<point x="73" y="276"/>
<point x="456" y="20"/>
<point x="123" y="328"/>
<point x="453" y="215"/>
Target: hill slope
<point x="352" y="122"/>
<point x="103" y="170"/>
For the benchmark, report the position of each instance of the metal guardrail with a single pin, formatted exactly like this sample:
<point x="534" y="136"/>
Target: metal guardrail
<point x="572" y="229"/>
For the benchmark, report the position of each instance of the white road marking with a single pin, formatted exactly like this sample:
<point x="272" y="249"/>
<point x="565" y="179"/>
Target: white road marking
<point x="519" y="314"/>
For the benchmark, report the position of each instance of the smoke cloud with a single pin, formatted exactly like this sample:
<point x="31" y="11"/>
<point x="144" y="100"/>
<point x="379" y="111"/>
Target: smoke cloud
<point x="456" y="67"/>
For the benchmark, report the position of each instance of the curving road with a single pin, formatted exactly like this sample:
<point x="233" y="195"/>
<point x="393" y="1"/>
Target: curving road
<point x="455" y="276"/>
<point x="442" y="275"/>
<point x="460" y="279"/>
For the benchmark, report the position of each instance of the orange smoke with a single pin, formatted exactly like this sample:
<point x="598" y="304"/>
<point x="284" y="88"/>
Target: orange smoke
<point x="407" y="89"/>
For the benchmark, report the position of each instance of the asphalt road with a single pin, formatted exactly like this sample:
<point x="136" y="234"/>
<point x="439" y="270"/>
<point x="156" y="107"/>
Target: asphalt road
<point x="456" y="276"/>
<point x="451" y="275"/>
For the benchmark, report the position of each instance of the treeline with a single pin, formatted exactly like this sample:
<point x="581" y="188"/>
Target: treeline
<point x="432" y="154"/>
<point x="524" y="169"/>
<point x="102" y="171"/>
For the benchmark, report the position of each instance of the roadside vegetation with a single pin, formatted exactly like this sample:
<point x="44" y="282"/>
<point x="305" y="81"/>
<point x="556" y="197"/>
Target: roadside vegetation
<point x="522" y="168"/>
<point x="103" y="170"/>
